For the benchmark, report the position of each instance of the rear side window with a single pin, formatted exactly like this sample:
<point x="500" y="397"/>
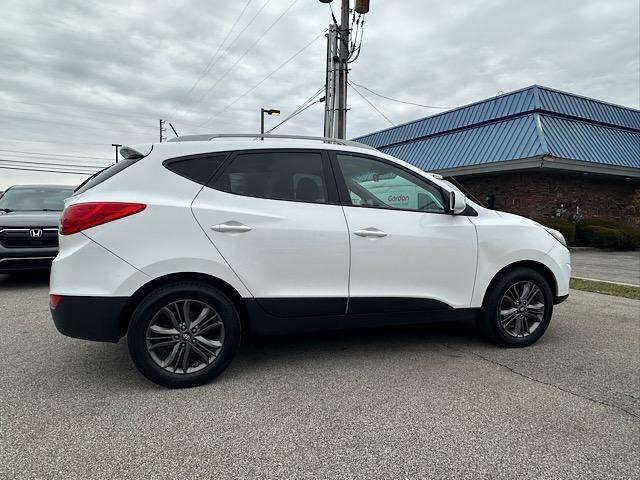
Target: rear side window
<point x="293" y="176"/>
<point x="198" y="168"/>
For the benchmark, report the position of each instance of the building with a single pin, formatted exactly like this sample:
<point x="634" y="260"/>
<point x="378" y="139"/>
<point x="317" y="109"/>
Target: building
<point x="537" y="152"/>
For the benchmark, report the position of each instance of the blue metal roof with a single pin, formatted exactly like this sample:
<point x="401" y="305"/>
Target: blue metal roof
<point x="577" y="140"/>
<point x="506" y="140"/>
<point x="504" y="106"/>
<point x="554" y="101"/>
<point x="527" y="123"/>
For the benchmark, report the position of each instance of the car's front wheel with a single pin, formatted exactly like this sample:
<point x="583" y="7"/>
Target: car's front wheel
<point x="517" y="309"/>
<point x="184" y="334"/>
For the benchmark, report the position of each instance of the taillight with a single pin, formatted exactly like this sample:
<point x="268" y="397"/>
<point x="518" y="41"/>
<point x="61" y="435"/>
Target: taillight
<point x="81" y="216"/>
<point x="54" y="300"/>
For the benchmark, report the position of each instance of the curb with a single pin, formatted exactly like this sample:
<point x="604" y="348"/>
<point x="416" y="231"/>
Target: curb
<point x="607" y="281"/>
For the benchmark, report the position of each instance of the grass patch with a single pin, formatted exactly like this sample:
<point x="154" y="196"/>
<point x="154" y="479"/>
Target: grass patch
<point x="605" y="288"/>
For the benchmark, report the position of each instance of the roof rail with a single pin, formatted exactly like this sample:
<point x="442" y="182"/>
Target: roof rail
<point x="256" y="136"/>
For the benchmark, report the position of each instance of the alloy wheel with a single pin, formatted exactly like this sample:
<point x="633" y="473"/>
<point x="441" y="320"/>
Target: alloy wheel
<point x="185" y="336"/>
<point x="522" y="309"/>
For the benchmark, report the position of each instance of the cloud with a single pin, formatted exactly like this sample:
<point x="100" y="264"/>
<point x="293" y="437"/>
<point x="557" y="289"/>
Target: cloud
<point x="78" y="76"/>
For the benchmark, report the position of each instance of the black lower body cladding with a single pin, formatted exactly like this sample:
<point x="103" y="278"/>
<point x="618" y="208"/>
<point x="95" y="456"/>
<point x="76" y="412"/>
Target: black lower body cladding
<point x="90" y="318"/>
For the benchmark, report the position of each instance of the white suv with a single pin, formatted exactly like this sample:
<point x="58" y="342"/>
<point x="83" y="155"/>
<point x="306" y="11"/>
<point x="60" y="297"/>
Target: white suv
<point x="184" y="245"/>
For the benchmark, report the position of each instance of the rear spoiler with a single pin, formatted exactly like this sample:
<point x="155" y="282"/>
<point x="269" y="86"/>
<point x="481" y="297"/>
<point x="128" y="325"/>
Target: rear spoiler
<point x="136" y="152"/>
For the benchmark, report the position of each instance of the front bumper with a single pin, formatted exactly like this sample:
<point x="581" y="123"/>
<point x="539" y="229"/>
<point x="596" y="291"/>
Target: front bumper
<point x="558" y="259"/>
<point x="27" y="258"/>
<point x="90" y="318"/>
<point x="560" y="299"/>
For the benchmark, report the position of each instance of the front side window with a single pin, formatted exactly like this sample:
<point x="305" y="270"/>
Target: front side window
<point x="372" y="183"/>
<point x="294" y="176"/>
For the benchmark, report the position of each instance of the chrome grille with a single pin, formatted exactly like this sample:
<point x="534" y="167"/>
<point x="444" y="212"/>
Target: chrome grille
<point x="29" y="237"/>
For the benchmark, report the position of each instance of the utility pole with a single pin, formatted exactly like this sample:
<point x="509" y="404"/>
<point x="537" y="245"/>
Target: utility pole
<point x="343" y="69"/>
<point x="340" y="53"/>
<point x="163" y="131"/>
<point x="116" y="145"/>
<point x="331" y="82"/>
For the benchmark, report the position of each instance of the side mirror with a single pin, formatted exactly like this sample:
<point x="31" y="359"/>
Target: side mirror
<point x="457" y="202"/>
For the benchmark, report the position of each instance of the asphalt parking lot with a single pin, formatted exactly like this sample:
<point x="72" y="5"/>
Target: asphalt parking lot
<point x="432" y="401"/>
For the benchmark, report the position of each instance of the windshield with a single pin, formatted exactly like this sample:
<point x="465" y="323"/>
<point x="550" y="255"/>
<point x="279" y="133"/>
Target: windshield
<point x="34" y="199"/>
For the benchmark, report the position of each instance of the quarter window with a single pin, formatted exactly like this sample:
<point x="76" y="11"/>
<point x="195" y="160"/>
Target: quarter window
<point x="372" y="183"/>
<point x="294" y="176"/>
<point x="199" y="169"/>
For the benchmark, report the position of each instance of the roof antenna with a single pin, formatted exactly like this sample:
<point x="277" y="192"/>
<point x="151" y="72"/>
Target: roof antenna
<point x="174" y="130"/>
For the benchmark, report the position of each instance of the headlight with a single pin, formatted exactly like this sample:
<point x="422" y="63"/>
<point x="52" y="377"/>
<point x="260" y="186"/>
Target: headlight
<point x="557" y="235"/>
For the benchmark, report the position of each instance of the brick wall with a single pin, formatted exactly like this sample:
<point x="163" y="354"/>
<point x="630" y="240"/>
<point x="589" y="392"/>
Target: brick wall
<point x="536" y="195"/>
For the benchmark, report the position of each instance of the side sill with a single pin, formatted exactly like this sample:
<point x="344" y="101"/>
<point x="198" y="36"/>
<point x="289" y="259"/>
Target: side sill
<point x="263" y="323"/>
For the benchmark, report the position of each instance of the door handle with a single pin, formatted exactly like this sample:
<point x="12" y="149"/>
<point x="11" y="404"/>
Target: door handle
<point x="370" y="232"/>
<point x="230" y="227"/>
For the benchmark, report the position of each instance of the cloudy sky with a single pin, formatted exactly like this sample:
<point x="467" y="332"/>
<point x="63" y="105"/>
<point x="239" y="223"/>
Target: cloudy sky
<point x="79" y="75"/>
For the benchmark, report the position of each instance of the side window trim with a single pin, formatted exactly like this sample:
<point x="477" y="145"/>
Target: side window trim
<point x="329" y="180"/>
<point x="343" y="191"/>
<point x="333" y="194"/>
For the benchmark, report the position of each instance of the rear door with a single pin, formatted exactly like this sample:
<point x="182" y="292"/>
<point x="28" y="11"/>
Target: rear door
<point x="407" y="252"/>
<point x="274" y="215"/>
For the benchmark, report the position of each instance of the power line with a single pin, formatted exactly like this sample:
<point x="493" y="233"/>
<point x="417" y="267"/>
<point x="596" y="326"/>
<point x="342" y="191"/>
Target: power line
<point x="395" y="99"/>
<point x="374" y="107"/>
<point x="53" y="154"/>
<point x="44" y="170"/>
<point x="264" y="79"/>
<point x="356" y="51"/>
<point x="246" y="52"/>
<point x="51" y="164"/>
<point x="66" y="106"/>
<point x="315" y="94"/>
<point x="53" y="142"/>
<point x="300" y="109"/>
<point x="335" y="22"/>
<point x="79" y="125"/>
<point x="292" y="116"/>
<point x="214" y="59"/>
<point x="50" y="141"/>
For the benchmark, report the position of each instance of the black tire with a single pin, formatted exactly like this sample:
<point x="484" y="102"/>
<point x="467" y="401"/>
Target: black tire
<point x="166" y="295"/>
<point x="489" y="321"/>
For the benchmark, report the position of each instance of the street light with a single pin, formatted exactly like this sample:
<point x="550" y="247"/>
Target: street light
<point x="271" y="111"/>
<point x="117" y="145"/>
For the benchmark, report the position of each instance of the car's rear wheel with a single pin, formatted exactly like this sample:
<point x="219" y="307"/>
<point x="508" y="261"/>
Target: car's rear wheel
<point x="517" y="309"/>
<point x="184" y="334"/>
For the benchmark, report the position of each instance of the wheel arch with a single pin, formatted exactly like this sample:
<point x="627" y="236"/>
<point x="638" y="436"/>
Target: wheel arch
<point x="226" y="288"/>
<point x="539" y="267"/>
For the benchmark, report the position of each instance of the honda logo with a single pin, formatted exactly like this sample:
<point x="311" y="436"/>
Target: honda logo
<point x="35" y="232"/>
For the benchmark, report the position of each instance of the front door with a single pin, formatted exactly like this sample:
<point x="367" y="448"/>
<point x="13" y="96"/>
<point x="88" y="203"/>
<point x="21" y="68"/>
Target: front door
<point x="275" y="218"/>
<point x="407" y="253"/>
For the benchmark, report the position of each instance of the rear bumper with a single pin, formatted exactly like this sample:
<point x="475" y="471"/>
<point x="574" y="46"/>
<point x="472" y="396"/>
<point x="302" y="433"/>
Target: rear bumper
<point x="90" y="318"/>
